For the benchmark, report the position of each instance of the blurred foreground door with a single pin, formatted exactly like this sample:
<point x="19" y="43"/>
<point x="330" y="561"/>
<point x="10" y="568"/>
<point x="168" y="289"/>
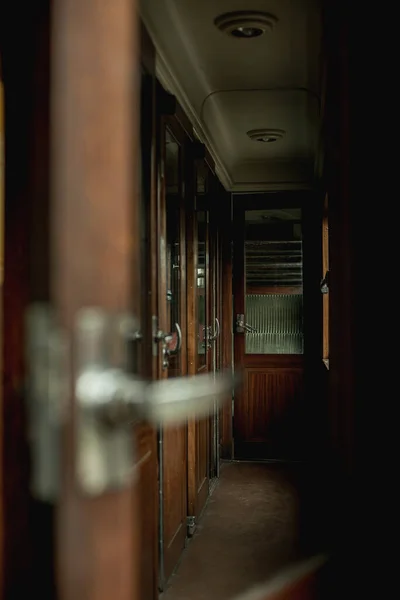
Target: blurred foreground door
<point x="95" y="267"/>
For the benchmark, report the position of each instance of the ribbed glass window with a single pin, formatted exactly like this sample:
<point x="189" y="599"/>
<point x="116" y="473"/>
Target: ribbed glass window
<point x="274" y="281"/>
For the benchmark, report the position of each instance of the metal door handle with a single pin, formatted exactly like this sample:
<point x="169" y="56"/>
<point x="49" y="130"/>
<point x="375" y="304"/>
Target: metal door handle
<point x="108" y="399"/>
<point x="116" y="399"/>
<point x="168" y="346"/>
<point x="242" y="326"/>
<point x="214" y="336"/>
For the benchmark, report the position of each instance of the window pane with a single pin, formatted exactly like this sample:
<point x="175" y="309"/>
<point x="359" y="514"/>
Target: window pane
<point x="201" y="287"/>
<point x="201" y="279"/>
<point x="274" y="281"/>
<point x="173" y="203"/>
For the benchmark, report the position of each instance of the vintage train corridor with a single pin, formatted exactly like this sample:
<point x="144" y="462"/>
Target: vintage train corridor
<point x="192" y="290"/>
<point x="260" y="518"/>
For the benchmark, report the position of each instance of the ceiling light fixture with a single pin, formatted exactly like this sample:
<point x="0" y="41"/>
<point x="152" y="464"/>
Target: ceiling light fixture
<point x="266" y="135"/>
<point x="245" y="24"/>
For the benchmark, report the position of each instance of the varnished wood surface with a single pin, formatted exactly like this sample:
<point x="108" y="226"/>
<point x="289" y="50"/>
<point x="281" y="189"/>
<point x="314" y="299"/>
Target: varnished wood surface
<point x="273" y="290"/>
<point x="272" y="402"/>
<point x="146" y="435"/>
<point x="191" y="307"/>
<point x="269" y="403"/>
<point x="148" y="510"/>
<point x="95" y="230"/>
<point x="198" y="431"/>
<point x="227" y="318"/>
<point x="175" y="489"/>
<point x="174" y="439"/>
<point x="215" y="313"/>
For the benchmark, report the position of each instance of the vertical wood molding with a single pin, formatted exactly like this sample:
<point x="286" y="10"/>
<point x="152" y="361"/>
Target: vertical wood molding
<point x="227" y="319"/>
<point x="95" y="226"/>
<point x="191" y="264"/>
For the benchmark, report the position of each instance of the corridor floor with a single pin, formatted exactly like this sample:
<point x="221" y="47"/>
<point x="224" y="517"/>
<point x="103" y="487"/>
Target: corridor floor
<point x="260" y="518"/>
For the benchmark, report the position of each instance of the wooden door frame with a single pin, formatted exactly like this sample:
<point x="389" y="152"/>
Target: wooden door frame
<point x="226" y="276"/>
<point x="170" y="117"/>
<point x="215" y="313"/>
<point x="98" y="540"/>
<point x="197" y="153"/>
<point x="291" y="364"/>
<point x="146" y="435"/>
<point x="167" y="121"/>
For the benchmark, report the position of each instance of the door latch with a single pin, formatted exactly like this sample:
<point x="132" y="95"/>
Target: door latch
<point x="242" y="326"/>
<point x="214" y="335"/>
<point x="109" y="399"/>
<point x="171" y="343"/>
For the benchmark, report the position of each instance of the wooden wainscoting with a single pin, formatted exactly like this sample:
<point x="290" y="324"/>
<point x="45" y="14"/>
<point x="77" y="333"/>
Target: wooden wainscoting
<point x="268" y="408"/>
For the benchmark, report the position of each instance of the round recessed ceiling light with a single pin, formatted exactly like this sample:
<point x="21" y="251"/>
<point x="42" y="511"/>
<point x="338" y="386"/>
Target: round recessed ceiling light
<point x="266" y="136"/>
<point x="245" y="24"/>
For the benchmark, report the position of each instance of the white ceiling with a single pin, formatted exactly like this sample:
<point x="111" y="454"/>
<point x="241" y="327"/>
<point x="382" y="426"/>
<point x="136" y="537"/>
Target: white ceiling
<point x="228" y="86"/>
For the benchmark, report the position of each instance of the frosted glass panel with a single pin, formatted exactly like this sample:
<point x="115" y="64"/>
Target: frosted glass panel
<point x="278" y="319"/>
<point x="274" y="281"/>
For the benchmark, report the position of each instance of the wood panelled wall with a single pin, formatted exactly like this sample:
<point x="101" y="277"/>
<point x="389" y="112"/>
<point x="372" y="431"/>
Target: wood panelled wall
<point x="146" y="439"/>
<point x="226" y="227"/>
<point x="274" y="401"/>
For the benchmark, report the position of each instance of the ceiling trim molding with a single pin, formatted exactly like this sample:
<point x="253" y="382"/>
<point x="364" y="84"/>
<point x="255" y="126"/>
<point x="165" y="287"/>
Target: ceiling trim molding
<point x="171" y="83"/>
<point x="273" y="186"/>
<point x="168" y="79"/>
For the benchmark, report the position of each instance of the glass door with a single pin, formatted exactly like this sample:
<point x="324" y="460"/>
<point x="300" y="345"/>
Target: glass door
<point x="269" y="339"/>
<point x="172" y="440"/>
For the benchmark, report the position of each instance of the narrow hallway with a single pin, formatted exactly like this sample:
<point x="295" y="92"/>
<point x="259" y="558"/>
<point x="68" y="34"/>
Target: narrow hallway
<point x="260" y="518"/>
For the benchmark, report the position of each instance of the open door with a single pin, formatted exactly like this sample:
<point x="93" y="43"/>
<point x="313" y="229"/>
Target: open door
<point x="95" y="291"/>
<point x="199" y="345"/>
<point x="215" y="317"/>
<point x="268" y="315"/>
<point x="172" y="301"/>
<point x="72" y="526"/>
<point x="79" y="403"/>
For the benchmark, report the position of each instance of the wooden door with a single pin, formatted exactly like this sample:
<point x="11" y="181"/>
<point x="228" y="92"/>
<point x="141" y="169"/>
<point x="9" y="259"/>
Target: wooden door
<point x="146" y="434"/>
<point x="215" y="313"/>
<point x="96" y="264"/>
<point x="199" y="354"/>
<point x="172" y="313"/>
<point x="65" y="537"/>
<point x="268" y="314"/>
